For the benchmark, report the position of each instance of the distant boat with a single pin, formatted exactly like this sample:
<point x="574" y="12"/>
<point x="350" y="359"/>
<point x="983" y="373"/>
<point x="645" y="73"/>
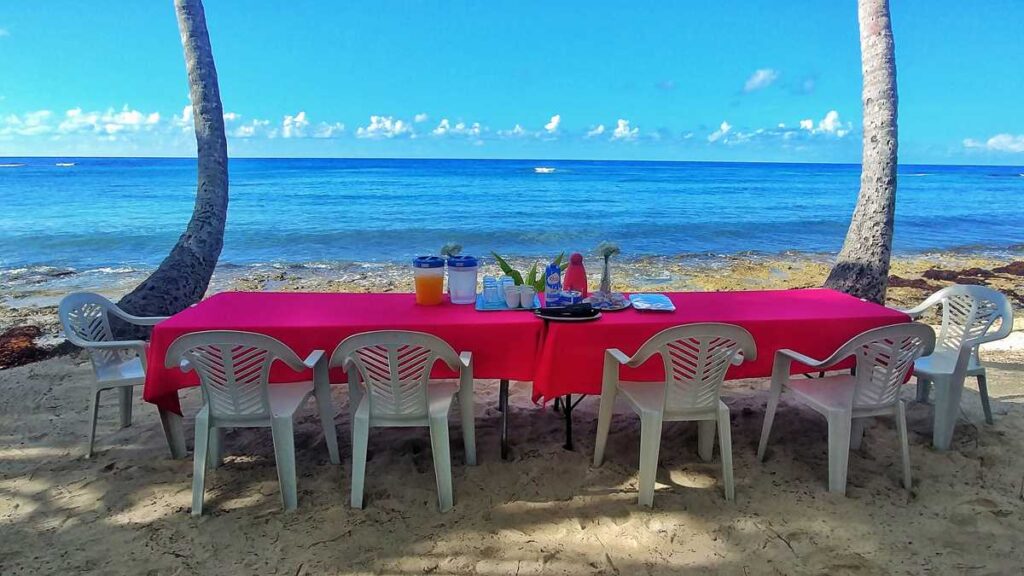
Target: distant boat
<point x="12" y="165"/>
<point x="543" y="170"/>
<point x="65" y="164"/>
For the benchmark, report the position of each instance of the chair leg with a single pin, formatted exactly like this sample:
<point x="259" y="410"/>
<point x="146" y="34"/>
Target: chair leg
<point x="360" y="439"/>
<point x="983" y="391"/>
<point x="766" y="428"/>
<point x="901" y="427"/>
<point x="725" y="448"/>
<point x="923" y="386"/>
<point x="857" y="433"/>
<point x="947" y="410"/>
<point x="93" y="413"/>
<point x="125" y="397"/>
<point x="284" y="455"/>
<point x="706" y="439"/>
<point x="650" y="444"/>
<point x="442" y="462"/>
<point x="216" y="450"/>
<point x="199" y="457"/>
<point x="604" y="421"/>
<point x="326" y="410"/>
<point x="468" y="426"/>
<point x="838" y="451"/>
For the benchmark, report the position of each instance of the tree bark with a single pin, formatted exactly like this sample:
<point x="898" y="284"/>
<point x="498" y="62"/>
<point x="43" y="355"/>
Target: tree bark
<point x="862" y="267"/>
<point x="183" y="277"/>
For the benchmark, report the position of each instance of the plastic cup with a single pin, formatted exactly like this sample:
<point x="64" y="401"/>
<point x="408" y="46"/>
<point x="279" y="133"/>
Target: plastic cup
<point x="526" y="296"/>
<point x="512" y="296"/>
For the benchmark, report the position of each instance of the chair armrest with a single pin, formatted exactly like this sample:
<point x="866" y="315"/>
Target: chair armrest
<point x="313" y="359"/>
<point x="805" y="360"/>
<point x="184" y="365"/>
<point x="137" y="320"/>
<point x="137" y="345"/>
<point x="617" y="355"/>
<point x="466" y="358"/>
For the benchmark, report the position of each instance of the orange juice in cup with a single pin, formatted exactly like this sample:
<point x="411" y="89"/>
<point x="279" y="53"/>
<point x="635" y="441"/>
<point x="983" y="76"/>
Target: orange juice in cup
<point x="428" y="274"/>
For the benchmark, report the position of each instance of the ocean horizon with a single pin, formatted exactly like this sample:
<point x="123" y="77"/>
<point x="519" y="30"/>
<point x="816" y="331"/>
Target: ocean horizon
<point x="94" y="214"/>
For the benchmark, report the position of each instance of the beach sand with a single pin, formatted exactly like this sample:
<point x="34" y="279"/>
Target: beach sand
<point x="546" y="511"/>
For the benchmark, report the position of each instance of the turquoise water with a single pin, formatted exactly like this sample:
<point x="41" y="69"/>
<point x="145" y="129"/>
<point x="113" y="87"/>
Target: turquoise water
<point x="111" y="213"/>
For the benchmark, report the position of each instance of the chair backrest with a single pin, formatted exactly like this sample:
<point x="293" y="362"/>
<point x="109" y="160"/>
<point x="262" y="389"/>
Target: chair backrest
<point x="968" y="313"/>
<point x="233" y="368"/>
<point x="884" y="357"/>
<point x="696" y="358"/>
<point x="85" y="317"/>
<point x="393" y="368"/>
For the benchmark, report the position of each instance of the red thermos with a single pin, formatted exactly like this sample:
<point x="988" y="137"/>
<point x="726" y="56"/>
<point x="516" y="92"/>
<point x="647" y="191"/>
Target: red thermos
<point x="575" y="275"/>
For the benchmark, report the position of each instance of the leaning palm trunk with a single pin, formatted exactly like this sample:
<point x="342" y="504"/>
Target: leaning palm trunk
<point x="862" y="268"/>
<point x="182" y="278"/>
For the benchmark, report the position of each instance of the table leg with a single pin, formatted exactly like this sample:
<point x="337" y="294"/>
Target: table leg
<point x="174" y="433"/>
<point x="503" y="407"/>
<point x="567" y="409"/>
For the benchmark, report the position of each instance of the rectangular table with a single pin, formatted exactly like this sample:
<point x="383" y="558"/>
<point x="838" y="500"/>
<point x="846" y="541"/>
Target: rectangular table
<point x="815" y="322"/>
<point x="504" y="344"/>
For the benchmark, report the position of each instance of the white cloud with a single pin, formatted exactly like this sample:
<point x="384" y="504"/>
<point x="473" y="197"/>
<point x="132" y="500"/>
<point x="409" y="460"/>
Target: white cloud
<point x="28" y="124"/>
<point x="999" y="143"/>
<point x="384" y="127"/>
<point x="552" y="126"/>
<point x="421" y="117"/>
<point x="231" y="116"/>
<point x="445" y="128"/>
<point x="253" y="128"/>
<point x="294" y="126"/>
<point x="109" y="122"/>
<point x="830" y="124"/>
<point x="325" y="130"/>
<point x="717" y="135"/>
<point x="517" y="131"/>
<point x="623" y="131"/>
<point x="595" y="131"/>
<point x="760" y="79"/>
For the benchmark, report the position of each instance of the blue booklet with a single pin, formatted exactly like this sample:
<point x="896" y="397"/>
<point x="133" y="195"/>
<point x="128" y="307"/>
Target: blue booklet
<point x="653" y="302"/>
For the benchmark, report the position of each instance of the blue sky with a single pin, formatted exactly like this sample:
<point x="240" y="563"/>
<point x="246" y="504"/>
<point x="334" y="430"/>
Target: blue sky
<point x="741" y="80"/>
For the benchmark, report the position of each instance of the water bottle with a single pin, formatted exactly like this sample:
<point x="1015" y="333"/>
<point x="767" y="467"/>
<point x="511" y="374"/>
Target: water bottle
<point x="553" y="285"/>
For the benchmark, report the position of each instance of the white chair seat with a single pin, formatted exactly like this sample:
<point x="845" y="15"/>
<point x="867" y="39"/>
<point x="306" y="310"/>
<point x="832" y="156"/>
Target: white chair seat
<point x="943" y="363"/>
<point x="832" y="394"/>
<point x="286" y="399"/>
<point x="649" y="398"/>
<point x="127" y="373"/>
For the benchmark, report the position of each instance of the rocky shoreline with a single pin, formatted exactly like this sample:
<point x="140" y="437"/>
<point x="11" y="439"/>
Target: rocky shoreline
<point x="30" y="331"/>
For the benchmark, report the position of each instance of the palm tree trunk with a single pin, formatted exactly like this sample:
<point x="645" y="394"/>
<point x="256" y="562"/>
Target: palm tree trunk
<point x="862" y="268"/>
<point x="182" y="278"/>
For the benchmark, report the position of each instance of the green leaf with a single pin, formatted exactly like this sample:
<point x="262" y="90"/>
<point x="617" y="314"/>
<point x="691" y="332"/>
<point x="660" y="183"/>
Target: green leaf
<point x="531" y="276"/>
<point x="508" y="270"/>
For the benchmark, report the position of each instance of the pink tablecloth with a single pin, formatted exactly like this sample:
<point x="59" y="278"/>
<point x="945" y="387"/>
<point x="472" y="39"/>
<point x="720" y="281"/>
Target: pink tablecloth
<point x="814" y="322"/>
<point x="504" y="344"/>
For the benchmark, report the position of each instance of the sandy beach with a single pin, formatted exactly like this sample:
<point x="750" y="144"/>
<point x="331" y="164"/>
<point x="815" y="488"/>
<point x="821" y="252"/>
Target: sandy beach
<point x="547" y="510"/>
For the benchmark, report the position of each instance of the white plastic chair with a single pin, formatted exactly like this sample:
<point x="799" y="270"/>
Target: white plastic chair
<point x="389" y="386"/>
<point x="968" y="315"/>
<point x="884" y="356"/>
<point x="234" y="371"/>
<point x="117" y="364"/>
<point x="696" y="358"/>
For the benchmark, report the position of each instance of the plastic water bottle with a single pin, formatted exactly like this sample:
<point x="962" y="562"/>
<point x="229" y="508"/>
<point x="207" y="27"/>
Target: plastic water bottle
<point x="552" y="285"/>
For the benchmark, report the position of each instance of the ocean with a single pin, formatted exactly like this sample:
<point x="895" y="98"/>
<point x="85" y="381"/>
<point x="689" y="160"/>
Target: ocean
<point x="94" y="216"/>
